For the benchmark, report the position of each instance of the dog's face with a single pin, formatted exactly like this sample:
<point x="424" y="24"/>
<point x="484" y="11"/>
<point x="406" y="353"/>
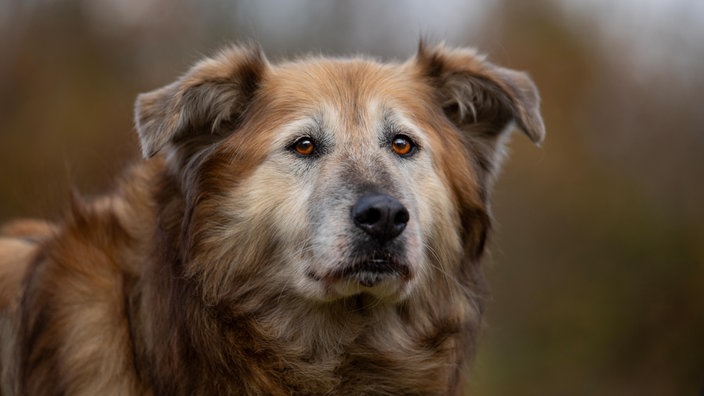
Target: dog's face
<point x="335" y="177"/>
<point x="357" y="195"/>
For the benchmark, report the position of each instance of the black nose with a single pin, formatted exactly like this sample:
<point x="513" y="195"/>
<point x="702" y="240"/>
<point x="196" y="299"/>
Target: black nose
<point x="380" y="216"/>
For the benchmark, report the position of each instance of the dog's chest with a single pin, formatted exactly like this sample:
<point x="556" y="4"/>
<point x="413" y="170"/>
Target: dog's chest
<point x="365" y="367"/>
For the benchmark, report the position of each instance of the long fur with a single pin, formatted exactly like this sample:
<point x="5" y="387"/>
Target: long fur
<point x="218" y="265"/>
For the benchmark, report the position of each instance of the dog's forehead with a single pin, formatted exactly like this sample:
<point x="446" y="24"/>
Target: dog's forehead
<point x="338" y="77"/>
<point x="344" y="94"/>
<point x="353" y="91"/>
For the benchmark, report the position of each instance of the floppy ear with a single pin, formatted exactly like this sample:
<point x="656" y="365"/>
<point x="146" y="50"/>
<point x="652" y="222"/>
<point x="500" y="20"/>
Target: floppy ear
<point x="202" y="105"/>
<point x="482" y="100"/>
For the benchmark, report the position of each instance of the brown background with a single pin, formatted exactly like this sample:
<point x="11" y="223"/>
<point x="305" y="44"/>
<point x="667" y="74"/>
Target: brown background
<point x="597" y="266"/>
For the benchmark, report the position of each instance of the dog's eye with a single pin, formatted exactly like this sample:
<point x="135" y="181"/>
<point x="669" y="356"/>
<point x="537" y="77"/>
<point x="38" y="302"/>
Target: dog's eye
<point x="403" y="146"/>
<point x="304" y="146"/>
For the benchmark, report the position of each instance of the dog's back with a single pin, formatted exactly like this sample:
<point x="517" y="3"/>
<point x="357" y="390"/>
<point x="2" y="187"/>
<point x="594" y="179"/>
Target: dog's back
<point x="20" y="242"/>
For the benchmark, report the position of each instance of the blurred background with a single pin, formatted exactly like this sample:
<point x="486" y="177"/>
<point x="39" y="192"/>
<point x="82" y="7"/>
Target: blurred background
<point x="597" y="263"/>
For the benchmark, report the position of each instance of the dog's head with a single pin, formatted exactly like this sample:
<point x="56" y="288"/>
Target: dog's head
<point x="336" y="177"/>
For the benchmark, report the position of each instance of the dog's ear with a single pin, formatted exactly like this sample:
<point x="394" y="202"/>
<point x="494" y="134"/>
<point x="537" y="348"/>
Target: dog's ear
<point x="203" y="103"/>
<point x="483" y="100"/>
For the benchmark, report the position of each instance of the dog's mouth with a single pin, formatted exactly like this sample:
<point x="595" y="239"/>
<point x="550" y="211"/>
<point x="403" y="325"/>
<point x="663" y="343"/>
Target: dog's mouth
<point x="371" y="271"/>
<point x="379" y="274"/>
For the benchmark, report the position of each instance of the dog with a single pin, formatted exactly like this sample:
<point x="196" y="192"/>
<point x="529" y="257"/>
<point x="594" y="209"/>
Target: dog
<point x="311" y="227"/>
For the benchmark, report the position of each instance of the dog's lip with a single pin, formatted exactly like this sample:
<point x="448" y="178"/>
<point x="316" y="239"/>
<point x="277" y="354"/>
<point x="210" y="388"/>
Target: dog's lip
<point x="374" y="265"/>
<point x="367" y="272"/>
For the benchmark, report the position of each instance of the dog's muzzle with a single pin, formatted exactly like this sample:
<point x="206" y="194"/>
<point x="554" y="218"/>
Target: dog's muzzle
<point x="376" y="261"/>
<point x="382" y="218"/>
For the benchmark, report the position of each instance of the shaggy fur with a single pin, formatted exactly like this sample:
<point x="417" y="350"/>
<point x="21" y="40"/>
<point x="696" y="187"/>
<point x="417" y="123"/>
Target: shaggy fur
<point x="231" y="261"/>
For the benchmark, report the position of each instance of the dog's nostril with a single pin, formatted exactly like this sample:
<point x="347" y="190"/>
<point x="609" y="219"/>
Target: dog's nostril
<point x="380" y="216"/>
<point x="401" y="217"/>
<point x="369" y="216"/>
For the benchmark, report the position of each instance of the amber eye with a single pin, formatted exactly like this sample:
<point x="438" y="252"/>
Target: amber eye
<point x="402" y="145"/>
<point x="304" y="146"/>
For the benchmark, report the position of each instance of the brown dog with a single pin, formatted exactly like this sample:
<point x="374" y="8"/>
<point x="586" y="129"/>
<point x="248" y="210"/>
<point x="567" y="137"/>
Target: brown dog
<point x="313" y="227"/>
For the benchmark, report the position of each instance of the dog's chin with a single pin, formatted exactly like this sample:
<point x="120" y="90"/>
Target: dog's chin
<point x="387" y="279"/>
